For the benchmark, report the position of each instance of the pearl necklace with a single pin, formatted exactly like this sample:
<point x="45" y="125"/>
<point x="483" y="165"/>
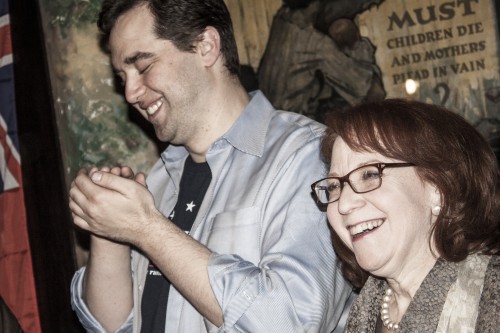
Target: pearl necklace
<point x="384" y="311"/>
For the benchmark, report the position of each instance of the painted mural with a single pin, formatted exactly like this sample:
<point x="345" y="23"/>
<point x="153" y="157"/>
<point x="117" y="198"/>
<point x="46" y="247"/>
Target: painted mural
<point x="439" y="51"/>
<point x="93" y="118"/>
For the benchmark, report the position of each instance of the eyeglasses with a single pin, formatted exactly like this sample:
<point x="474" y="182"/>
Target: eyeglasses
<point x="364" y="179"/>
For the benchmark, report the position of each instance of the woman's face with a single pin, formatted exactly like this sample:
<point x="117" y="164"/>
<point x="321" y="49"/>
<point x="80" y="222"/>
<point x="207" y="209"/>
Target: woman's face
<point x="387" y="228"/>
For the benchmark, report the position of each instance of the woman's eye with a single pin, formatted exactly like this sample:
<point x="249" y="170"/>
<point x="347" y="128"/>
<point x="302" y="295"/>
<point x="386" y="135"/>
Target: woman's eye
<point x="370" y="175"/>
<point x="332" y="187"/>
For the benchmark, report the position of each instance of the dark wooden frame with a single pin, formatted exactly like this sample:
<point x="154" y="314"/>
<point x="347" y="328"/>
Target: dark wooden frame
<point x="48" y="217"/>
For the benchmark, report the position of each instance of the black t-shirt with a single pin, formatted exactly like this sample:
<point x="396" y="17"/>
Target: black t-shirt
<point x="194" y="184"/>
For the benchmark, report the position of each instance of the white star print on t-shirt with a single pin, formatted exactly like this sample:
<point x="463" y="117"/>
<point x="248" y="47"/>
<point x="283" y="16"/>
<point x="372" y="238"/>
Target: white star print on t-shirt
<point x="190" y="206"/>
<point x="172" y="215"/>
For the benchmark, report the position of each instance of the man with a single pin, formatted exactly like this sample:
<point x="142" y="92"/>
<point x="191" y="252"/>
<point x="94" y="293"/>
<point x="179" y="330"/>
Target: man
<point x="225" y="236"/>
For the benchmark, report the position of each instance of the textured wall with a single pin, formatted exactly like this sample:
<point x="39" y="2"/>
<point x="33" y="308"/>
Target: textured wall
<point x="92" y="116"/>
<point x="252" y="22"/>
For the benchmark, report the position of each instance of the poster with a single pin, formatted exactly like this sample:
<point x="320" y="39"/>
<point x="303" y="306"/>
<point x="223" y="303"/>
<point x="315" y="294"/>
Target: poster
<point x="441" y="52"/>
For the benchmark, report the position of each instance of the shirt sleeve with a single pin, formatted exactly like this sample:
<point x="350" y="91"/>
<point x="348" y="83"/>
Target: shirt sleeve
<point x="297" y="286"/>
<point x="88" y="321"/>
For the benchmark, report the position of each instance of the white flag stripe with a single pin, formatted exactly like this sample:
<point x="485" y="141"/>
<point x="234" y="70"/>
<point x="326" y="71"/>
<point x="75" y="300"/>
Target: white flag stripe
<point x="4" y="20"/>
<point x="13" y="149"/>
<point x="9" y="182"/>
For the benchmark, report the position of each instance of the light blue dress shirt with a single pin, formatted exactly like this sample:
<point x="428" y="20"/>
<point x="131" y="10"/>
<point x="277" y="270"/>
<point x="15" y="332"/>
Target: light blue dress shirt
<point x="273" y="268"/>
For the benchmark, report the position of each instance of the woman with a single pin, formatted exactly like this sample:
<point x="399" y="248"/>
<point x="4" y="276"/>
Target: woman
<point x="412" y="197"/>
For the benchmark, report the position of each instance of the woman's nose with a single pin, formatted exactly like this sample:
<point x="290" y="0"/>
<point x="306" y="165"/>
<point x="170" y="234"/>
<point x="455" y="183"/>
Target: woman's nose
<point x="348" y="199"/>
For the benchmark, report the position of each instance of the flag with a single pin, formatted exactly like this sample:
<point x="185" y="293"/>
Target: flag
<point x="17" y="286"/>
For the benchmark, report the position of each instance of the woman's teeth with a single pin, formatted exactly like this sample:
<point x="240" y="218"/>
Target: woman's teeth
<point x="362" y="227"/>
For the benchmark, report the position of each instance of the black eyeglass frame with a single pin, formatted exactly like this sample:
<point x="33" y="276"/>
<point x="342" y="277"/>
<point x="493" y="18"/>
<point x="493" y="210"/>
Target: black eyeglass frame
<point x="345" y="179"/>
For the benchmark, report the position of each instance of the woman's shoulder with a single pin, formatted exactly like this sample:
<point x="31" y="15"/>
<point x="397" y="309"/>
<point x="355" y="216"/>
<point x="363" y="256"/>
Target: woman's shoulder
<point x="491" y="286"/>
<point x="489" y="308"/>
<point x="494" y="262"/>
<point x="492" y="277"/>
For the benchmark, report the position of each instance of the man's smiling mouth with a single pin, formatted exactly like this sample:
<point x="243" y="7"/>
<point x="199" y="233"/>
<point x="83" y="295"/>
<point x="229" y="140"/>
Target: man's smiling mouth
<point x="154" y="107"/>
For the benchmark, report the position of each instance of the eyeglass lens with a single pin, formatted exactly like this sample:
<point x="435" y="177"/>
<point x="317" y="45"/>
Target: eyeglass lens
<point x="364" y="179"/>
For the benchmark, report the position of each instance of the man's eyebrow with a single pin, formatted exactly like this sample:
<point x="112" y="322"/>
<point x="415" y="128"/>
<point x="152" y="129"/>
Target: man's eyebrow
<point x="138" y="56"/>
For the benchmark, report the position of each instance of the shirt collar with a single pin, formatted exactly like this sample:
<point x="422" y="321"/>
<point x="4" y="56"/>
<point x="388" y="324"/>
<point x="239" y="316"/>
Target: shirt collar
<point x="248" y="133"/>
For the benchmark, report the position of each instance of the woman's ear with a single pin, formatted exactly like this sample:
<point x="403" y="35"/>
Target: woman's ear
<point x="209" y="46"/>
<point x="435" y="200"/>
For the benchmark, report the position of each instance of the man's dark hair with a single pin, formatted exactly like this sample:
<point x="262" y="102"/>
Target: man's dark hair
<point x="180" y="21"/>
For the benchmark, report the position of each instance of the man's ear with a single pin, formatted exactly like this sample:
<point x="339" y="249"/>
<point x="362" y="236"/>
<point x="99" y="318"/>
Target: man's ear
<point x="209" y="46"/>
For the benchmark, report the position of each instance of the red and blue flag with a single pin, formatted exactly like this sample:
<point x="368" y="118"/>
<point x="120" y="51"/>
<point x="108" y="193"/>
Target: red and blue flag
<point x="9" y="147"/>
<point x="17" y="286"/>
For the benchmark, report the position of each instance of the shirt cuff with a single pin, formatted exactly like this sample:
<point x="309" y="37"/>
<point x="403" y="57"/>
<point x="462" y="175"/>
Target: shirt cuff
<point x="88" y="321"/>
<point x="234" y="295"/>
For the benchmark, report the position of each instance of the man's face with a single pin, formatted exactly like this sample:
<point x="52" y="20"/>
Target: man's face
<point x="161" y="82"/>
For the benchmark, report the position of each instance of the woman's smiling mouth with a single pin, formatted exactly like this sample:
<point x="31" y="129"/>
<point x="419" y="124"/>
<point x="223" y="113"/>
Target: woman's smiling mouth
<point x="364" y="227"/>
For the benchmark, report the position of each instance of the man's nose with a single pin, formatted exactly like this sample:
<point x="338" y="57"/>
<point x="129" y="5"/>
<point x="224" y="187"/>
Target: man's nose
<point x="134" y="89"/>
